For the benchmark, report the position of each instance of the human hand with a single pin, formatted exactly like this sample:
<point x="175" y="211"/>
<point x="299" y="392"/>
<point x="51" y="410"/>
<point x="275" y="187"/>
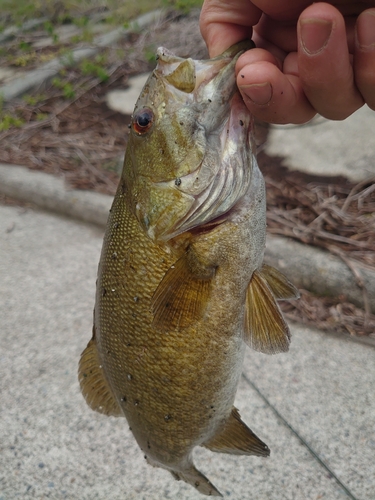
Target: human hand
<point x="309" y="59"/>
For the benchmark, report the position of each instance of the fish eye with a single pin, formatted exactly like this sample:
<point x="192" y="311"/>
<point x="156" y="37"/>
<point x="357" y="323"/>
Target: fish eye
<point x="143" y="120"/>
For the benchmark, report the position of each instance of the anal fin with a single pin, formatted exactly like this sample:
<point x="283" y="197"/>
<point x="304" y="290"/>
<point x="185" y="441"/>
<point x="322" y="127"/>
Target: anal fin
<point x="265" y="328"/>
<point x="94" y="386"/>
<point x="281" y="287"/>
<point x="183" y="293"/>
<point x="237" y="439"/>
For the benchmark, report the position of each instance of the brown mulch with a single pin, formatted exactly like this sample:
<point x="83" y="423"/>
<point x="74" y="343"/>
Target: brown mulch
<point x="84" y="140"/>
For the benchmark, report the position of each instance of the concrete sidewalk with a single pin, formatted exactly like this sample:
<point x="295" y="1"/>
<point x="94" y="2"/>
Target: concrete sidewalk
<point x="53" y="446"/>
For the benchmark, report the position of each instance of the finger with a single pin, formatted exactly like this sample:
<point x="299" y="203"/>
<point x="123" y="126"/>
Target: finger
<point x="272" y="96"/>
<point x="258" y="55"/>
<point x="364" y="56"/>
<point x="223" y="24"/>
<point x="324" y="62"/>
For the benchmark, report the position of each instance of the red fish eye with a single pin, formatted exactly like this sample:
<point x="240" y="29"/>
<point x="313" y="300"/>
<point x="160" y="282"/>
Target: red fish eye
<point x="143" y="120"/>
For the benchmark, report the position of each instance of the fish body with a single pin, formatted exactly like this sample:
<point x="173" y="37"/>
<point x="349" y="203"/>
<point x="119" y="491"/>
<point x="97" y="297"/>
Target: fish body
<point x="181" y="284"/>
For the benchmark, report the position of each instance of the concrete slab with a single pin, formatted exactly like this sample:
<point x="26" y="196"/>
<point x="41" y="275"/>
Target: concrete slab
<point x="325" y="147"/>
<point x="54" y="446"/>
<point x="323" y="388"/>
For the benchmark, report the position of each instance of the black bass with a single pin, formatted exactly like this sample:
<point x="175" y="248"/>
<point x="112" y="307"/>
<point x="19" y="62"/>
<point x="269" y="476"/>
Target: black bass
<point x="182" y="287"/>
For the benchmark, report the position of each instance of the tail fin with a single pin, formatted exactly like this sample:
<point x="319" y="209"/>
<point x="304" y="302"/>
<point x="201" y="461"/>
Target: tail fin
<point x="198" y="480"/>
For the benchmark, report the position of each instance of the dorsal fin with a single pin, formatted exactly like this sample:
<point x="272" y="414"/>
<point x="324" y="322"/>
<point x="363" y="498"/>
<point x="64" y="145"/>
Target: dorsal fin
<point x="182" y="295"/>
<point x="280" y="286"/>
<point x="94" y="386"/>
<point x="237" y="439"/>
<point x="265" y="329"/>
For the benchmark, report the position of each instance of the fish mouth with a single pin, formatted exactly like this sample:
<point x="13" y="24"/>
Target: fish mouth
<point x="188" y="75"/>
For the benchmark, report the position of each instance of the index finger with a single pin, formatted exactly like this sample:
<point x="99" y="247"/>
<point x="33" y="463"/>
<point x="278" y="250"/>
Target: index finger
<point x="225" y="23"/>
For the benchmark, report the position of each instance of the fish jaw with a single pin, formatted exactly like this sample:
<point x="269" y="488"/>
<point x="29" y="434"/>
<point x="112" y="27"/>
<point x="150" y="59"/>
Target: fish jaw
<point x="187" y="170"/>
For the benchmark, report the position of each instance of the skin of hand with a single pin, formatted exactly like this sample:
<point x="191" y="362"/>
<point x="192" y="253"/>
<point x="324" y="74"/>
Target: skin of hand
<point x="310" y="57"/>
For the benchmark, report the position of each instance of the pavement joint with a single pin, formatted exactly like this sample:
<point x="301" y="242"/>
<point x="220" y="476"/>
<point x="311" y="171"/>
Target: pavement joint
<point x="303" y="441"/>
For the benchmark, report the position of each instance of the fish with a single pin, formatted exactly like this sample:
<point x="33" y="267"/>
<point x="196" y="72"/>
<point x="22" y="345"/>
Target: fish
<point x="182" y="287"/>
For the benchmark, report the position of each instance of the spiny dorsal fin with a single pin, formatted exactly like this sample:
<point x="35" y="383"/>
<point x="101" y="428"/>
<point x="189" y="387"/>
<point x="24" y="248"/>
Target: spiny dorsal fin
<point x="237" y="439"/>
<point x="265" y="328"/>
<point x="280" y="286"/>
<point x="182" y="295"/>
<point x="94" y="386"/>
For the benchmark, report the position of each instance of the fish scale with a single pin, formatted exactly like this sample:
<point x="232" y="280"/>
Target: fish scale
<point x="181" y="283"/>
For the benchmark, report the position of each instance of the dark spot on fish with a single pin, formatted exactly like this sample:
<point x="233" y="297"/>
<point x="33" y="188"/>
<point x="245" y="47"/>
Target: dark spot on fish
<point x="148" y="445"/>
<point x="145" y="456"/>
<point x="85" y="375"/>
<point x="282" y="92"/>
<point x="167" y="418"/>
<point x="241" y="123"/>
<point x="181" y="123"/>
<point x="129" y="125"/>
<point x="123" y="188"/>
<point x="128" y="344"/>
<point x="228" y="131"/>
<point x="123" y="399"/>
<point x="242" y="76"/>
<point x="178" y="181"/>
<point x="108" y="351"/>
<point x="130" y="429"/>
<point x="114" y="255"/>
<point x="104" y="292"/>
<point x="197" y="483"/>
<point x="136" y="402"/>
<point x="209" y="100"/>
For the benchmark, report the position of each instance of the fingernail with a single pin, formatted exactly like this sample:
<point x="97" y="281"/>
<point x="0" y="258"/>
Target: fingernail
<point x="259" y="93"/>
<point x="365" y="29"/>
<point x="315" y="34"/>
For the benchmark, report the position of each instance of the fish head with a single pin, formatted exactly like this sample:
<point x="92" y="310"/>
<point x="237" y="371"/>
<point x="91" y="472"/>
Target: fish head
<point x="190" y="151"/>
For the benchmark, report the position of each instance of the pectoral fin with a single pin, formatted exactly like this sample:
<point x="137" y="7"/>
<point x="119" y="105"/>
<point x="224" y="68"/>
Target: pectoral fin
<point x="265" y="328"/>
<point x="280" y="286"/>
<point x="182" y="295"/>
<point x="237" y="439"/>
<point x="94" y="386"/>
